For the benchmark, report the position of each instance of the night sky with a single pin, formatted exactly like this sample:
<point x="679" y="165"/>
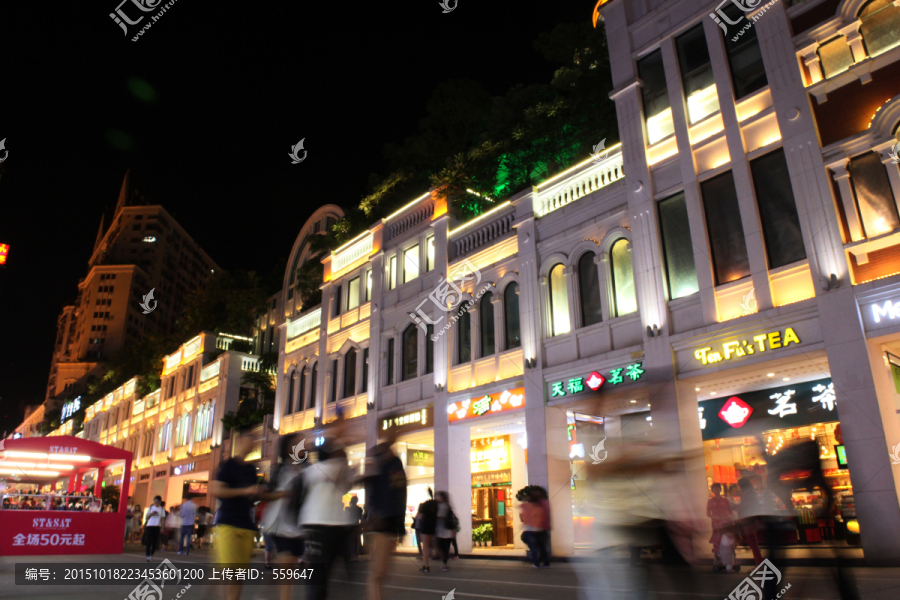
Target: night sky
<point x="227" y="89"/>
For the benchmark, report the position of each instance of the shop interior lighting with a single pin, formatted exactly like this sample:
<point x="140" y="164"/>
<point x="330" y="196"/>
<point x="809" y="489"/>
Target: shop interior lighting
<point x="696" y="389"/>
<point x="27" y="465"/>
<point x="786" y="379"/>
<point x="634" y="401"/>
<point x="770" y="374"/>
<point x="19" y="472"/>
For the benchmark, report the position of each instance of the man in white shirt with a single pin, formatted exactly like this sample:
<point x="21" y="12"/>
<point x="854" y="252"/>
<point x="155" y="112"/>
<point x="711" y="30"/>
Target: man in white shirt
<point x="152" y="522"/>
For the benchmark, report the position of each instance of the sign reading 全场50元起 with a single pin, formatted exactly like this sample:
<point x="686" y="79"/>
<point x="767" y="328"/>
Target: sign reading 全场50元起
<point x="740" y="348"/>
<point x="488" y="404"/>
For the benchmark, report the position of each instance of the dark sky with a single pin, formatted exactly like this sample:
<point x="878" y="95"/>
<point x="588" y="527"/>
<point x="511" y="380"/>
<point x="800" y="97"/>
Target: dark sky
<point x="236" y="85"/>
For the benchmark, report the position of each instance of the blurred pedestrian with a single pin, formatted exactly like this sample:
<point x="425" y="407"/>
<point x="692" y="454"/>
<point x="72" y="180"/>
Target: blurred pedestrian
<point x="720" y="513"/>
<point x="749" y="510"/>
<point x="535" y="516"/>
<point x="202" y="526"/>
<point x="445" y="530"/>
<point x="188" y="513"/>
<point x="385" y="482"/>
<point x="152" y="524"/>
<point x="354" y="517"/>
<point x="137" y="519"/>
<point x="280" y="519"/>
<point x="236" y="488"/>
<point x="428" y="515"/>
<point x="173" y="527"/>
<point x="129" y="517"/>
<point x="322" y="513"/>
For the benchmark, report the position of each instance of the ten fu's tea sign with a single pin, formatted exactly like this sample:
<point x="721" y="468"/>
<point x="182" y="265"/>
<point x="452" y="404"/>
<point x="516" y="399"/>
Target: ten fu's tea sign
<point x="491" y="403"/>
<point x="739" y="348"/>
<point x="422" y="418"/>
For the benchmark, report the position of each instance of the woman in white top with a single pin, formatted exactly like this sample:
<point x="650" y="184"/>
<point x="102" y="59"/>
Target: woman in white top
<point x="152" y="522"/>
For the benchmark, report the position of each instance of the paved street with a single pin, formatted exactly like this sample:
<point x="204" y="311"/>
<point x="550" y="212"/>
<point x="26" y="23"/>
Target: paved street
<point x="473" y="578"/>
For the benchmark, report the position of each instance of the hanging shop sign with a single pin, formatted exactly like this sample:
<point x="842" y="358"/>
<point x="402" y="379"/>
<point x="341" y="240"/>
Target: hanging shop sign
<point x="420" y="458"/>
<point x="69" y="409"/>
<point x="422" y="418"/>
<point x="197" y="488"/>
<point x="733" y="349"/>
<point x="490" y="454"/>
<point x="596" y="380"/>
<point x="489" y="404"/>
<point x="784" y="407"/>
<point x="494" y="478"/>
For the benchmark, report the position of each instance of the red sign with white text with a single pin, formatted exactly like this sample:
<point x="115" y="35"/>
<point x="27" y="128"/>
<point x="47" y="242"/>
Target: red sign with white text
<point x="736" y="412"/>
<point x="47" y="532"/>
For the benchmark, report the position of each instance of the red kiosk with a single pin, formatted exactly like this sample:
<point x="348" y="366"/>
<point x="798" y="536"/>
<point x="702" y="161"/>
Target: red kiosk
<point x="58" y="521"/>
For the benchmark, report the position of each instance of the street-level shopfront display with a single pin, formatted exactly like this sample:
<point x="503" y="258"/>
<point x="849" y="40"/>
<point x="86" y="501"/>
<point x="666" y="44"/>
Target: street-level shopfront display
<point x="587" y="441"/>
<point x="492" y="507"/>
<point x="39" y="472"/>
<point x="741" y="432"/>
<point x="415" y="447"/>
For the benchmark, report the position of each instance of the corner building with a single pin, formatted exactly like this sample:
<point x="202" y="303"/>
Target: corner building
<point x="723" y="281"/>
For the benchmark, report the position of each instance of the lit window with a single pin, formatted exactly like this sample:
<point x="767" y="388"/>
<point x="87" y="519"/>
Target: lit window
<point x="429" y="243"/>
<point x="368" y="285"/>
<point x="880" y="26"/>
<point x="696" y="74"/>
<point x="411" y="264"/>
<point x="149" y="238"/>
<point x="623" y="278"/>
<point x="655" y="97"/>
<point x="392" y="273"/>
<point x="559" y="301"/>
<point x="835" y="56"/>
<point x="353" y="294"/>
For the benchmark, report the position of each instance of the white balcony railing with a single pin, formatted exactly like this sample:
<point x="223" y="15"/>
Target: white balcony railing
<point x="352" y="252"/>
<point x="579" y="182"/>
<point x="305" y="323"/>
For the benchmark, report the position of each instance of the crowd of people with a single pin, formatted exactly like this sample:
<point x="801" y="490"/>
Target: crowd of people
<point x="32" y="499"/>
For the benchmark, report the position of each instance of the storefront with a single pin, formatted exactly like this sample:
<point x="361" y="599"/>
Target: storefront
<point x="188" y="479"/>
<point x="415" y="447"/>
<point x="498" y="462"/>
<point x="46" y="508"/>
<point x="742" y="431"/>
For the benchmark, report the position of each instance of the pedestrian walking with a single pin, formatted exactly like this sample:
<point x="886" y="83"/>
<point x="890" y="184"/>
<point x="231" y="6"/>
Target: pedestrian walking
<point x="173" y="527"/>
<point x="354" y="517"/>
<point x="235" y="486"/>
<point x="202" y="526"/>
<point x="279" y="522"/>
<point x="385" y="482"/>
<point x="535" y="516"/>
<point x="136" y="521"/>
<point x="322" y="513"/>
<point x="720" y="513"/>
<point x="152" y="524"/>
<point x="748" y="511"/>
<point x="445" y="529"/>
<point x="129" y="519"/>
<point x="428" y="516"/>
<point x="188" y="512"/>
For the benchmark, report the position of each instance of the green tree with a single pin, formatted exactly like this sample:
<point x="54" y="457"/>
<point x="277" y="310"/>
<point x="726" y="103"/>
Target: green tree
<point x="228" y="302"/>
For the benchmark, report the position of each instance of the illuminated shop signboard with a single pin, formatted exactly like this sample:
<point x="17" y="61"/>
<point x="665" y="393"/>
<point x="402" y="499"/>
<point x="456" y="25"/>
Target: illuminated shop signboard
<point x="4" y="252"/>
<point x="419" y="458"/>
<point x="69" y="409"/>
<point x="421" y="418"/>
<point x="595" y="380"/>
<point x="490" y="454"/>
<point x="739" y="348"/>
<point x="489" y="404"/>
<point x="785" y="407"/>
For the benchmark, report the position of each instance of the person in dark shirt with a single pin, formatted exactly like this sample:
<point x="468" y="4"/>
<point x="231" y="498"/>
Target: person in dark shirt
<point x="354" y="516"/>
<point x="236" y="488"/>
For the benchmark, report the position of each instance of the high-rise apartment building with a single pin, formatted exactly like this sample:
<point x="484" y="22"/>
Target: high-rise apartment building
<point x="143" y="250"/>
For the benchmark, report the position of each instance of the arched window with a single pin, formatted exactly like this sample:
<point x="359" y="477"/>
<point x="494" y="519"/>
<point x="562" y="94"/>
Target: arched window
<point x="487" y="324"/>
<point x="301" y="400"/>
<point x="410" y="352"/>
<point x="559" y="301"/>
<point x="622" y="278"/>
<point x="289" y="400"/>
<point x="312" y="386"/>
<point x="880" y="26"/>
<point x="589" y="290"/>
<point x="511" y="314"/>
<point x="464" y="333"/>
<point x="350" y="373"/>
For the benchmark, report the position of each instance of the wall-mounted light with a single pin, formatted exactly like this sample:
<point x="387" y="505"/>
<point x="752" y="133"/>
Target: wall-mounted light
<point x="439" y="387"/>
<point x="370" y="405"/>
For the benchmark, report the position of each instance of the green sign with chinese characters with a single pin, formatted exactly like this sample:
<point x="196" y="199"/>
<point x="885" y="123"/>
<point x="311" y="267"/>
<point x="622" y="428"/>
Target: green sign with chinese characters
<point x="595" y="380"/>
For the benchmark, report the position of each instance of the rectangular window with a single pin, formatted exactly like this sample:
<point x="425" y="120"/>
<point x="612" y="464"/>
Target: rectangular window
<point x="353" y="294"/>
<point x="464" y="335"/>
<point x="429" y="349"/>
<point x="368" y="285"/>
<point x="364" y="384"/>
<point x="350" y="373"/>
<point x="777" y="209"/>
<point x="681" y="273"/>
<point x="655" y="97"/>
<point x="726" y="231"/>
<point x="429" y="246"/>
<point x="411" y="263"/>
<point x="390" y="361"/>
<point x="334" y="376"/>
<point x="874" y="196"/>
<point x="748" y="73"/>
<point x="337" y="300"/>
<point x="835" y="56"/>
<point x="391" y="273"/>
<point x="696" y="74"/>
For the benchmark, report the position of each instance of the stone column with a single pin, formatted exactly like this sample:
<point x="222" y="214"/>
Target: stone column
<point x="519" y="480"/>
